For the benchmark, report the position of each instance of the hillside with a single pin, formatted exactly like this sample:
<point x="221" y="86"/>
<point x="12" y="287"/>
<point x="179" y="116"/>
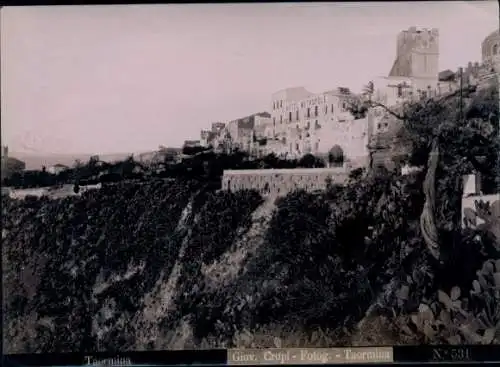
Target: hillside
<point x="169" y="264"/>
<point x="174" y="265"/>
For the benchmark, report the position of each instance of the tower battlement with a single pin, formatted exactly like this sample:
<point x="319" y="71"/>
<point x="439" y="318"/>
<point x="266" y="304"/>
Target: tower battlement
<point x="417" y="56"/>
<point x="418" y="39"/>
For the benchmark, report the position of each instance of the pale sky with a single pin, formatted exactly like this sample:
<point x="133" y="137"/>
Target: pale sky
<point x="108" y="79"/>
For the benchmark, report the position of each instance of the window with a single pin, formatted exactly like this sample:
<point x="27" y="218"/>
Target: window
<point x="315" y="110"/>
<point x="308" y="112"/>
<point x="332" y="108"/>
<point x="379" y="126"/>
<point x="274" y="120"/>
<point x="274" y="105"/>
<point x="281" y="104"/>
<point x="281" y="119"/>
<point x="297" y="146"/>
<point x="290" y="116"/>
<point x="495" y="49"/>
<point x="297" y="115"/>
<point x="326" y="109"/>
<point x="400" y="90"/>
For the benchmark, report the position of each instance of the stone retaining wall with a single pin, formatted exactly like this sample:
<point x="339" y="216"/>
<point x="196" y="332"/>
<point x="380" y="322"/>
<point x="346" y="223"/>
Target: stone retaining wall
<point x="279" y="182"/>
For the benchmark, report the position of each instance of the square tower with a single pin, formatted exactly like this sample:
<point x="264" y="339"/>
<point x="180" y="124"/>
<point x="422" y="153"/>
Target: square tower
<point x="417" y="56"/>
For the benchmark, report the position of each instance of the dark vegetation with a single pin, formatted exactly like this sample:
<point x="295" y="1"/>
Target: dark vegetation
<point x="85" y="241"/>
<point x="195" y="163"/>
<point x="328" y="260"/>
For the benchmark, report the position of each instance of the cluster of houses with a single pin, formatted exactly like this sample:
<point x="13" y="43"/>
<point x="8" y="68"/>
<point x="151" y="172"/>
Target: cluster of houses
<point x="302" y="122"/>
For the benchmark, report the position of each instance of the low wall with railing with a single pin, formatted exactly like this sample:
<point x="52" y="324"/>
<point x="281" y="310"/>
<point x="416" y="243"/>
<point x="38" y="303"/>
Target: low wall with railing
<point x="51" y="192"/>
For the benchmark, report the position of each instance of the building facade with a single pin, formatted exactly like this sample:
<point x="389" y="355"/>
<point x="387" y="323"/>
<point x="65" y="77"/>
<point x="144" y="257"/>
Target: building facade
<point x="308" y="123"/>
<point x="303" y="122"/>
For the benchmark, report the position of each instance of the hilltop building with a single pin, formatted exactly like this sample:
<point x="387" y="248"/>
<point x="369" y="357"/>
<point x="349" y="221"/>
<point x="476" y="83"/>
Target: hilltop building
<point x="10" y="165"/>
<point x="490" y="49"/>
<point x="217" y="127"/>
<point x="57" y="168"/>
<point x="405" y="82"/>
<point x="207" y="137"/>
<point x="302" y="122"/>
<point x="192" y="143"/>
<point x="417" y="57"/>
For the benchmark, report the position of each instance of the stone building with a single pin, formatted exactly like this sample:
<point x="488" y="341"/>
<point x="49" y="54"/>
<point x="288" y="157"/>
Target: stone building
<point x="192" y="143"/>
<point x="57" y="168"/>
<point x="217" y="127"/>
<point x="308" y="123"/>
<point x="279" y="182"/>
<point x="242" y="131"/>
<point x="417" y="57"/>
<point x="490" y="49"/>
<point x="207" y="137"/>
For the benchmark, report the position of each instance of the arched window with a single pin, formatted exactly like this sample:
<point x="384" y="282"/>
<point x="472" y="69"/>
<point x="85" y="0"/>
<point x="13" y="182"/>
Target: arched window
<point x="495" y="49"/>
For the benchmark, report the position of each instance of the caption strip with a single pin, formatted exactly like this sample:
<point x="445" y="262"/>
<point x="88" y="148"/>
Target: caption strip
<point x="309" y="356"/>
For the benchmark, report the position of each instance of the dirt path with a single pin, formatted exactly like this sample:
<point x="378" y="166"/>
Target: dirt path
<point x="222" y="272"/>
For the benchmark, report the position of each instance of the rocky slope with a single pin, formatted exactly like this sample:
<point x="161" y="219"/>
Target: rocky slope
<point x="175" y="265"/>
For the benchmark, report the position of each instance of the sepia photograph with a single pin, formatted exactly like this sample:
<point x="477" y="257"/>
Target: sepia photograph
<point x="250" y="175"/>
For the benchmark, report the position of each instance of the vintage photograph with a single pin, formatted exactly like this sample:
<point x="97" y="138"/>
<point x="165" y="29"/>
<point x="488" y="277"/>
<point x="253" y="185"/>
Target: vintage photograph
<point x="266" y="175"/>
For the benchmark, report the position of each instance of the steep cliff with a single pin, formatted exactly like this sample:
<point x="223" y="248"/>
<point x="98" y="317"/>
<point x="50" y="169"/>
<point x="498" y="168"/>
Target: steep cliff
<point x="175" y="265"/>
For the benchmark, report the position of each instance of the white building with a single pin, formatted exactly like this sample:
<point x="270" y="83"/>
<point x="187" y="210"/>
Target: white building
<point x="57" y="168"/>
<point x="305" y="122"/>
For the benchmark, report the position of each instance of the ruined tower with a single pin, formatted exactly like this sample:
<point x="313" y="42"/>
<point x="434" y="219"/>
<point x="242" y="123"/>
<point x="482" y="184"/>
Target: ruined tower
<point x="417" y="57"/>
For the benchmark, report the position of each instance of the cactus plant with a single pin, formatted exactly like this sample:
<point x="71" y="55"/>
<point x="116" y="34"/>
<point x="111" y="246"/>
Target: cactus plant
<point x="449" y="319"/>
<point x="486" y="294"/>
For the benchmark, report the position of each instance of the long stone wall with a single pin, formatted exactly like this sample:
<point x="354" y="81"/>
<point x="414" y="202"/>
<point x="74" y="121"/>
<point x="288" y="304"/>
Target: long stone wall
<point x="279" y="182"/>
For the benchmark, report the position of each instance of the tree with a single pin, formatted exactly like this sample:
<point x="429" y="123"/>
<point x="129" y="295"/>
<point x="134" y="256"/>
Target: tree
<point x="310" y="161"/>
<point x="336" y="156"/>
<point x="368" y="90"/>
<point x="447" y="140"/>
